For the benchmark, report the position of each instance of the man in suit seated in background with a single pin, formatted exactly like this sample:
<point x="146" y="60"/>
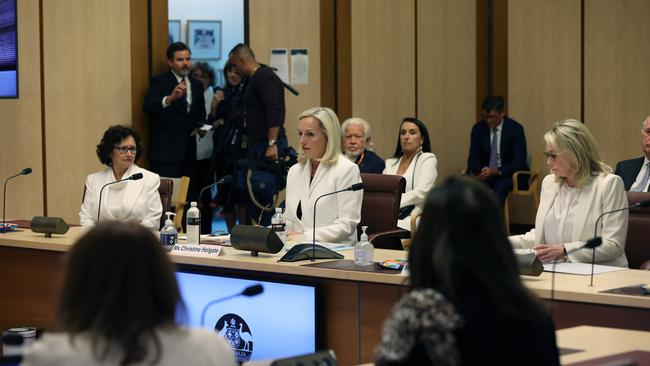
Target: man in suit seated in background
<point x="636" y="172"/>
<point x="356" y="141"/>
<point x="497" y="148"/>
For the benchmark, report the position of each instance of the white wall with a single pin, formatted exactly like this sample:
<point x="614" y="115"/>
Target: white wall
<point x="229" y="12"/>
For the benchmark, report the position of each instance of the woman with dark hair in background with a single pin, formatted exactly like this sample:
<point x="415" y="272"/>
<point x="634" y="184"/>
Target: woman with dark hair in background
<point x="414" y="161"/>
<point x="227" y="114"/>
<point x="118" y="306"/>
<point x="137" y="200"/>
<point x="467" y="304"/>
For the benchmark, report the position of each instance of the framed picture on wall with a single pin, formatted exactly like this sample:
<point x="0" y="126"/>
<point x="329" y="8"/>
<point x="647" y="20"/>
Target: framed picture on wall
<point x="204" y="39"/>
<point x="174" y="31"/>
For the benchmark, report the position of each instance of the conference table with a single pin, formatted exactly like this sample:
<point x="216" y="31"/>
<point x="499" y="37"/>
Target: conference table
<point x="352" y="303"/>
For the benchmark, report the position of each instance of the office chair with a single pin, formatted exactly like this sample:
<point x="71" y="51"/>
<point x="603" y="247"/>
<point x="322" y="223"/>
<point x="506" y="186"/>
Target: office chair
<point x="380" y="208"/>
<point x="637" y="244"/>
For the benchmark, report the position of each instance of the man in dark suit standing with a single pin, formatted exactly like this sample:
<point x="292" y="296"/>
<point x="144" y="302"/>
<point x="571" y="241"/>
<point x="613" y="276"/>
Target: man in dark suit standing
<point x="497" y="148"/>
<point x="176" y="109"/>
<point x="636" y="172"/>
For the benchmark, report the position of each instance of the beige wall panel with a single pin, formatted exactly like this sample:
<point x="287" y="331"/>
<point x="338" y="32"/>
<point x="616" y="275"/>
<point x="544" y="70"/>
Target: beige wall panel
<point x="20" y="140"/>
<point x="87" y="88"/>
<point x="617" y="75"/>
<point x="383" y="67"/>
<point x="543" y="65"/>
<point x="289" y="24"/>
<point x="447" y="78"/>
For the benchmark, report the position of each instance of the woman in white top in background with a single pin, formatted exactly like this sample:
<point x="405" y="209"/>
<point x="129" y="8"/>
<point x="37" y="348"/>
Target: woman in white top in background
<point x="580" y="188"/>
<point x="322" y="169"/>
<point x="136" y="200"/>
<point x="414" y="161"/>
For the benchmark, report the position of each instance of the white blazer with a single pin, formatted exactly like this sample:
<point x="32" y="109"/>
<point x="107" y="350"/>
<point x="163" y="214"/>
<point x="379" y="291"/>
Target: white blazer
<point x="337" y="215"/>
<point x="140" y="202"/>
<point x="602" y="193"/>
<point x="420" y="178"/>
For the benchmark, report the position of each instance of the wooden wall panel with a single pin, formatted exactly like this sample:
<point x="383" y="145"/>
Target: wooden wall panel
<point x="544" y="65"/>
<point x="21" y="138"/>
<point x="383" y="67"/>
<point x="617" y="76"/>
<point x="87" y="82"/>
<point x="446" y="54"/>
<point x="289" y="24"/>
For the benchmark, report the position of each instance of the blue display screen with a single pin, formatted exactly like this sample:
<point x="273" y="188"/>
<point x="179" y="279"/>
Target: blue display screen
<point x="280" y="322"/>
<point x="8" y="50"/>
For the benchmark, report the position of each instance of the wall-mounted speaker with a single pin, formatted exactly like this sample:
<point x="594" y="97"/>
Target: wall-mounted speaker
<point x="256" y="239"/>
<point x="48" y="225"/>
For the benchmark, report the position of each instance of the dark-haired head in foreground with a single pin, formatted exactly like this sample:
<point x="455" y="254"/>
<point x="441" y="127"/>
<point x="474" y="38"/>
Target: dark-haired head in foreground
<point x="461" y="252"/>
<point x="119" y="286"/>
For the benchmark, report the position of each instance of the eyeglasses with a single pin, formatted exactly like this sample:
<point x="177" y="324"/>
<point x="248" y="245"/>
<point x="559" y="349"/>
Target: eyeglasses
<point x="123" y="149"/>
<point x="551" y="155"/>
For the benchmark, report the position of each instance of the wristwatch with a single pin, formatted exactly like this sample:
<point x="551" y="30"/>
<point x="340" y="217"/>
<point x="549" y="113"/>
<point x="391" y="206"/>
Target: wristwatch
<point x="272" y="142"/>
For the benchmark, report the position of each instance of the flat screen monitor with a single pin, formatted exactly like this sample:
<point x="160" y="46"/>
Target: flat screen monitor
<point x="280" y="322"/>
<point x="8" y="50"/>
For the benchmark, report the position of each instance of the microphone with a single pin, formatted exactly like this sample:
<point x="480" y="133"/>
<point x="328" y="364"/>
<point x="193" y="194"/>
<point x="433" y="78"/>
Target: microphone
<point x="597" y="241"/>
<point x="136" y="176"/>
<point x="249" y="291"/>
<point x="289" y="87"/>
<point x="589" y="244"/>
<point x="223" y="180"/>
<point x="333" y="254"/>
<point x="4" y="197"/>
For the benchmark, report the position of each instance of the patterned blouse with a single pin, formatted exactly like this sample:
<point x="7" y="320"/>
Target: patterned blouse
<point x="420" y="328"/>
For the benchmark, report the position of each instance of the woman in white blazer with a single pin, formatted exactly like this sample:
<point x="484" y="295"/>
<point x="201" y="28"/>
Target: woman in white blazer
<point x="414" y="161"/>
<point x="136" y="200"/>
<point x="577" y="192"/>
<point x="321" y="169"/>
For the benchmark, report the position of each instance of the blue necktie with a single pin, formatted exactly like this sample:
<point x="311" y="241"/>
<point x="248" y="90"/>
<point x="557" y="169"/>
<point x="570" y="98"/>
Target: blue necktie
<point x="644" y="183"/>
<point x="493" y="149"/>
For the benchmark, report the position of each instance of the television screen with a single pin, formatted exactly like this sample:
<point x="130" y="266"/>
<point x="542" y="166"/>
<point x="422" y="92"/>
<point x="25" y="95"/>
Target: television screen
<point x="280" y="322"/>
<point x="8" y="50"/>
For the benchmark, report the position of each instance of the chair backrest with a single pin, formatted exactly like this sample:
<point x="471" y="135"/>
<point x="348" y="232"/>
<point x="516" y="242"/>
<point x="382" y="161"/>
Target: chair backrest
<point x="165" y="190"/>
<point x="637" y="244"/>
<point x="380" y="207"/>
<point x="179" y="198"/>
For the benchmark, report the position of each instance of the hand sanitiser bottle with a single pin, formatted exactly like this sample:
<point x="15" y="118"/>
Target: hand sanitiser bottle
<point x="364" y="252"/>
<point x="168" y="234"/>
<point x="278" y="224"/>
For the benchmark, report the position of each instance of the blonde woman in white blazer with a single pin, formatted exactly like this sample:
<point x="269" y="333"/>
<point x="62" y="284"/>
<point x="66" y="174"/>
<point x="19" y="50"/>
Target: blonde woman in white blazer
<point x="414" y="161"/>
<point x="580" y="188"/>
<point x="132" y="200"/>
<point x="321" y="169"/>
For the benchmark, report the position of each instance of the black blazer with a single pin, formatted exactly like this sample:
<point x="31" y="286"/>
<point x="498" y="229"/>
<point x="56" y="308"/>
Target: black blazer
<point x="629" y="170"/>
<point x="371" y="163"/>
<point x="170" y="128"/>
<point x="513" y="147"/>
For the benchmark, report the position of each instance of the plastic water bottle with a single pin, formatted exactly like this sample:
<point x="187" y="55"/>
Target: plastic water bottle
<point x="168" y="234"/>
<point x="193" y="224"/>
<point x="364" y="252"/>
<point x="279" y="224"/>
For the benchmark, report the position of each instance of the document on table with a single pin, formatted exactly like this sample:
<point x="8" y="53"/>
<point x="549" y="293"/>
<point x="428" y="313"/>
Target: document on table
<point x="580" y="268"/>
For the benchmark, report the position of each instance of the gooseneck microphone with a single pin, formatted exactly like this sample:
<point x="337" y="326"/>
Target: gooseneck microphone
<point x="249" y="291"/>
<point x="354" y="187"/>
<point x="4" y="198"/>
<point x="596" y="240"/>
<point x="223" y="180"/>
<point x="136" y="176"/>
<point x="589" y="244"/>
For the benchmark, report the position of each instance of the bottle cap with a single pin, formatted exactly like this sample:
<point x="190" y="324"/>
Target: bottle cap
<point x="278" y="210"/>
<point x="193" y="204"/>
<point x="169" y="219"/>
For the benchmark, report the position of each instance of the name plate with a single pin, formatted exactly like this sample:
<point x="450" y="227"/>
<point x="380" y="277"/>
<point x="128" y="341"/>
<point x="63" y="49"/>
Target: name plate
<point x="203" y="250"/>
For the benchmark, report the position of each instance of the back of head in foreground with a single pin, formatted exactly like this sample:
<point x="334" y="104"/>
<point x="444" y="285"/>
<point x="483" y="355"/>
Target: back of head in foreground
<point x="119" y="287"/>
